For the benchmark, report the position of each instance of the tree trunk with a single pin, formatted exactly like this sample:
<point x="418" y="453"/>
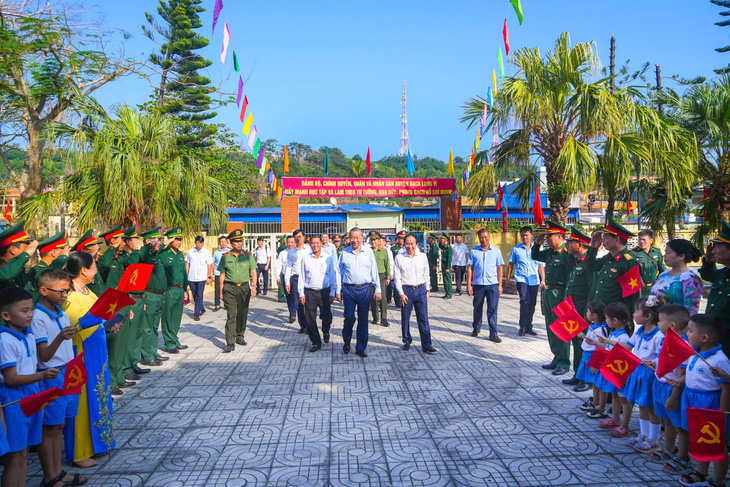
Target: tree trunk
<point x="560" y="211"/>
<point x="30" y="180"/>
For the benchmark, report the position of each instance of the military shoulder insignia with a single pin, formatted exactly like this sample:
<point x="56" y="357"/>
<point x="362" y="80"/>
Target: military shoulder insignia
<point x="613" y="269"/>
<point x="628" y="257"/>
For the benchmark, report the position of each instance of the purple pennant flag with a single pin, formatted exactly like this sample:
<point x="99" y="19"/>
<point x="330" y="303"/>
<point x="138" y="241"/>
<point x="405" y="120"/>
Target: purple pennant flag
<point x="260" y="160"/>
<point x="216" y="12"/>
<point x="240" y="92"/>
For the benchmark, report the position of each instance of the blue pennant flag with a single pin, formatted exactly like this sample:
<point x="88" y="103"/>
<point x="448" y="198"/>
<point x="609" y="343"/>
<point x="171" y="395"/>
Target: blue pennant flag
<point x="326" y="160"/>
<point x="411" y="167"/>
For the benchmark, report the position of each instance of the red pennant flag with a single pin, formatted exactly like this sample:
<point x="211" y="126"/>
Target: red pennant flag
<point x="504" y="222"/>
<point x="110" y="303"/>
<point x="537" y="209"/>
<point x="500" y="196"/>
<point x="505" y="34"/>
<point x="706" y="434"/>
<point x="286" y="161"/>
<point x="564" y="307"/>
<point x="367" y="161"/>
<point x="135" y="278"/>
<point x="631" y="282"/>
<point x="628" y="207"/>
<point x="75" y="376"/>
<point x="597" y="359"/>
<point x="8" y="214"/>
<point x="32" y="404"/>
<point x="569" y="325"/>
<point x="243" y="107"/>
<point x="673" y="353"/>
<point x="619" y="365"/>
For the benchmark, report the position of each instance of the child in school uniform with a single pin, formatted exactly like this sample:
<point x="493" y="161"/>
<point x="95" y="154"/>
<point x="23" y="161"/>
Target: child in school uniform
<point x="617" y="319"/>
<point x="597" y="327"/>
<point x="53" y="333"/>
<point x="702" y="389"/>
<point x="18" y="379"/>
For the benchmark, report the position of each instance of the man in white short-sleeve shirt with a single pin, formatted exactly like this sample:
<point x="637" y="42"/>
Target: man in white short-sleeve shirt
<point x="199" y="265"/>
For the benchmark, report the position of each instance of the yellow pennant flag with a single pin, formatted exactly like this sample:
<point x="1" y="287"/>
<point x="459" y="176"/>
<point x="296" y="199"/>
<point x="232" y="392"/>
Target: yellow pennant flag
<point x="494" y="80"/>
<point x="267" y="167"/>
<point x="479" y="139"/>
<point x="450" y="168"/>
<point x="247" y="125"/>
<point x="286" y="161"/>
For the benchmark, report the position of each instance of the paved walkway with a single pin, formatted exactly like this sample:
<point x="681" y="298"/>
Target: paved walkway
<point x="271" y="413"/>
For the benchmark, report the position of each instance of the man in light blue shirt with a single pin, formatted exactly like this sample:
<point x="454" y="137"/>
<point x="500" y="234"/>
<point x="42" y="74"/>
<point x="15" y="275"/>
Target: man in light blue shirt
<point x="217" y="256"/>
<point x="484" y="281"/>
<point x="358" y="271"/>
<point x="527" y="279"/>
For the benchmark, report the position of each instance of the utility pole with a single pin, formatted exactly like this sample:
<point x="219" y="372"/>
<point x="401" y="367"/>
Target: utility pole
<point x="660" y="107"/>
<point x="612" y="64"/>
<point x="405" y="143"/>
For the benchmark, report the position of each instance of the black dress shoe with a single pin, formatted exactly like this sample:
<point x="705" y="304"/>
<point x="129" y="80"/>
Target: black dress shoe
<point x="495" y="339"/>
<point x="217" y="308"/>
<point x="116" y="391"/>
<point x="162" y="358"/>
<point x="140" y="370"/>
<point x="582" y="387"/>
<point x="126" y="384"/>
<point x="448" y="296"/>
<point x="182" y="347"/>
<point x="361" y="353"/>
<point x="229" y="348"/>
<point x="133" y="376"/>
<point x="326" y="337"/>
<point x="346" y="348"/>
<point x="196" y="318"/>
<point x="521" y="333"/>
<point x="475" y="333"/>
<point x="550" y="366"/>
<point x="430" y="350"/>
<point x="531" y="332"/>
<point x="406" y="346"/>
<point x="560" y="371"/>
<point x="375" y="322"/>
<point x="571" y="382"/>
<point x="154" y="363"/>
<point x="385" y="323"/>
<point x="292" y="319"/>
<point x="172" y="350"/>
<point x="202" y="312"/>
<point x="315" y="347"/>
<point x="302" y="330"/>
<point x="241" y="341"/>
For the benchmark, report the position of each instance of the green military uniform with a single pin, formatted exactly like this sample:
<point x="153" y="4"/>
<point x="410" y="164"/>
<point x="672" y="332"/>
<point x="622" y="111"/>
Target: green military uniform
<point x="237" y="268"/>
<point x="382" y="258"/>
<point x="31" y="278"/>
<point x="433" y="262"/>
<point x="718" y="302"/>
<point x="651" y="263"/>
<point x="110" y="264"/>
<point x="12" y="272"/>
<point x="280" y="249"/>
<point x="578" y="287"/>
<point x="59" y="262"/>
<point x="177" y="284"/>
<point x="447" y="254"/>
<point x="558" y="264"/>
<point x="339" y="247"/>
<point x="154" y="300"/>
<point x="87" y="240"/>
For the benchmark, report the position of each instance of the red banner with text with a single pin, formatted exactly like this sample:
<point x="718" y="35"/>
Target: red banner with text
<point x="368" y="188"/>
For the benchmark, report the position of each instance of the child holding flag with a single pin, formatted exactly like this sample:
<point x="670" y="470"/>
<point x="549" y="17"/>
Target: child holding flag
<point x="597" y="327"/>
<point x="53" y="333"/>
<point x="18" y="380"/>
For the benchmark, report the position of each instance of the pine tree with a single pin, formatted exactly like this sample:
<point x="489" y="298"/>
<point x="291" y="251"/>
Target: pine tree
<point x="723" y="23"/>
<point x="182" y="92"/>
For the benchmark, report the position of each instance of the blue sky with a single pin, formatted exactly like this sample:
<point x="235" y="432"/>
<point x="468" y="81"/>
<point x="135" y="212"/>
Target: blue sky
<point x="328" y="72"/>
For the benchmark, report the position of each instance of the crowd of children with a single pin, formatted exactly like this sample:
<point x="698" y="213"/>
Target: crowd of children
<point x="701" y="382"/>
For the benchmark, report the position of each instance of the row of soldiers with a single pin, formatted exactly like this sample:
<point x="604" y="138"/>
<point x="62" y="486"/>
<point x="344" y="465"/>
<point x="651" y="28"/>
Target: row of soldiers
<point x="161" y="302"/>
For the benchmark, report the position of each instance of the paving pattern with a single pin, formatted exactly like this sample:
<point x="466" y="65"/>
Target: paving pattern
<point x="273" y="414"/>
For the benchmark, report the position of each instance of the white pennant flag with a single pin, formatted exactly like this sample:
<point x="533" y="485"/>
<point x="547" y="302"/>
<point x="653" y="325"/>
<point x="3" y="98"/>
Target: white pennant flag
<point x="252" y="138"/>
<point x="226" y="39"/>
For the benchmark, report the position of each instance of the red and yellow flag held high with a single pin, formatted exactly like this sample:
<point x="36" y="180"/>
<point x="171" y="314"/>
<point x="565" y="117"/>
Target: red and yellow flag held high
<point x="569" y="325"/>
<point x="673" y="353"/>
<point x="135" y="278"/>
<point x="565" y="306"/>
<point x="630" y="282"/>
<point x="706" y="434"/>
<point x="109" y="304"/>
<point x="619" y="365"/>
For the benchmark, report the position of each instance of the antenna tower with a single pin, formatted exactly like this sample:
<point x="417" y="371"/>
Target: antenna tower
<point x="405" y="144"/>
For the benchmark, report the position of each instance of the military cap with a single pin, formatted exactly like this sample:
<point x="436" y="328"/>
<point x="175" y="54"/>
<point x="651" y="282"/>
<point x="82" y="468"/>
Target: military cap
<point x="374" y="235"/>
<point x="13" y="234"/>
<point x="336" y="239"/>
<point x="58" y="241"/>
<point x="443" y="235"/>
<point x="579" y="236"/>
<point x="724" y="235"/>
<point x="307" y="239"/>
<point x="175" y="232"/>
<point x="431" y="235"/>
<point x="552" y="227"/>
<point x="282" y="239"/>
<point x="153" y="233"/>
<point x="236" y="235"/>
<point x="131" y="232"/>
<point x="615" y="228"/>
<point x="112" y="233"/>
<point x="86" y="240"/>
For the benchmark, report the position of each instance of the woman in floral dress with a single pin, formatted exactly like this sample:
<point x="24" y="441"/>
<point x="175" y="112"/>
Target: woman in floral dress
<point x="679" y="285"/>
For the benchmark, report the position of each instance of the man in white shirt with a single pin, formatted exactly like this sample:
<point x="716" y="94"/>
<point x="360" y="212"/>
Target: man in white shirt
<point x="316" y="287"/>
<point x="199" y="266"/>
<point x="328" y="248"/>
<point x="461" y="251"/>
<point x="262" y="254"/>
<point x="291" y="277"/>
<point x="281" y="265"/>
<point x="217" y="255"/>
<point x="412" y="276"/>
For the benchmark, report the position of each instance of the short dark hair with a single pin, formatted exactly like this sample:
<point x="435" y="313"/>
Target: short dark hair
<point x="647" y="233"/>
<point x="482" y="230"/>
<point x="199" y="238"/>
<point x="297" y="232"/>
<point x="709" y="324"/>
<point x="315" y="236"/>
<point x="52" y="275"/>
<point x="324" y="233"/>
<point x="260" y="239"/>
<point x="411" y="235"/>
<point x="684" y="247"/>
<point x="11" y="295"/>
<point x="526" y="228"/>
<point x="222" y="237"/>
<point x="4" y="250"/>
<point x="290" y="237"/>
<point x="677" y="314"/>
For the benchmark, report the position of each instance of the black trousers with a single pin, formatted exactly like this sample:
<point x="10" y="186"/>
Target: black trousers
<point x="261" y="269"/>
<point x="528" y="300"/>
<point x="313" y="299"/>
<point x="217" y="299"/>
<point x="459" y="273"/>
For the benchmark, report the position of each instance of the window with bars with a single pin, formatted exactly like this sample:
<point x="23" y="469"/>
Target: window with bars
<point x="317" y="228"/>
<point x="425" y="223"/>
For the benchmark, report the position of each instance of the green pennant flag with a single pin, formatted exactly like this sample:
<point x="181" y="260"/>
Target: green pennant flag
<point x="518" y="9"/>
<point x="262" y="169"/>
<point x="256" y="147"/>
<point x="326" y="160"/>
<point x="501" y="62"/>
<point x="235" y="62"/>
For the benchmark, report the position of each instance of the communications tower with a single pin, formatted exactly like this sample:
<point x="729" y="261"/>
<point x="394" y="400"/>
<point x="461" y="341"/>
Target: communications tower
<point x="405" y="144"/>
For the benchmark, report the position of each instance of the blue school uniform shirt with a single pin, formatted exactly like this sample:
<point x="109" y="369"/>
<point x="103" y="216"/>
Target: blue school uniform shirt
<point x="594" y="331"/>
<point x="699" y="376"/>
<point x="646" y="346"/>
<point x="618" y="335"/>
<point x="46" y="326"/>
<point x="17" y="350"/>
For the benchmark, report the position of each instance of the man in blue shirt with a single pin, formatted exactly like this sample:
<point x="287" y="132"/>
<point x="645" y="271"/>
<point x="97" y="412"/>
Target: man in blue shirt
<point x="358" y="271"/>
<point x="484" y="281"/>
<point x="527" y="279"/>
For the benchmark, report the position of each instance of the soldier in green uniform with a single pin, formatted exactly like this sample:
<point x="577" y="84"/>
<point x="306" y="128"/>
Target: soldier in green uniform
<point x="336" y="242"/>
<point x="718" y="302"/>
<point x="110" y="264"/>
<point x="577" y="288"/>
<point x="384" y="271"/>
<point x="16" y="247"/>
<point x="651" y="260"/>
<point x="611" y="266"/>
<point x="49" y="250"/>
<point x="447" y="254"/>
<point x="177" y="284"/>
<point x="558" y="264"/>
<point x="394" y="249"/>
<point x="89" y="244"/>
<point x="237" y="272"/>
<point x="280" y="249"/>
<point x="154" y="300"/>
<point x="433" y="262"/>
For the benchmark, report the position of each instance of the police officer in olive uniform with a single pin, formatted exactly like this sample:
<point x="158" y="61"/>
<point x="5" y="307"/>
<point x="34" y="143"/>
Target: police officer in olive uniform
<point x="718" y="302"/>
<point x="154" y="300"/>
<point x="16" y="247"/>
<point x="177" y="284"/>
<point x="336" y="242"/>
<point x="433" y="262"/>
<point x="447" y="254"/>
<point x="558" y="264"/>
<point x="89" y="244"/>
<point x="237" y="272"/>
<point x="49" y="250"/>
<point x="110" y="265"/>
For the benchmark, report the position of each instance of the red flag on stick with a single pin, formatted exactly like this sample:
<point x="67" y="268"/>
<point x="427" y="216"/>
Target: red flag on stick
<point x="673" y="353"/>
<point x="706" y="434"/>
<point x="505" y="34"/>
<point x="537" y="209"/>
<point x="367" y="161"/>
<point x="597" y="359"/>
<point x="32" y="404"/>
<point x="500" y="197"/>
<point x="135" y="278"/>
<point x="631" y="282"/>
<point x="109" y="304"/>
<point x="569" y="325"/>
<point x="565" y="306"/>
<point x="8" y="213"/>
<point x="619" y="365"/>
<point x="75" y="376"/>
<point x="244" y="105"/>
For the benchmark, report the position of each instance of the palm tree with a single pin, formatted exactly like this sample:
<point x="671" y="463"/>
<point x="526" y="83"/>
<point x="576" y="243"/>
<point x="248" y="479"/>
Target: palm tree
<point x="358" y="168"/>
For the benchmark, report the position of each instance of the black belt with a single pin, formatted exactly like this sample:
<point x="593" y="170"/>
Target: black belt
<point x="161" y="293"/>
<point x="356" y="286"/>
<point x="176" y="285"/>
<point x="239" y="284"/>
<point x="554" y="286"/>
<point x="406" y="286"/>
<point x="317" y="290"/>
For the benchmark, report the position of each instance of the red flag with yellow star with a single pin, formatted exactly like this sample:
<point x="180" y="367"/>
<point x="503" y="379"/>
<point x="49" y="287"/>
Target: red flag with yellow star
<point x="110" y="303"/>
<point x="568" y="325"/>
<point x="673" y="353"/>
<point x="32" y="404"/>
<point x="75" y="376"/>
<point x="619" y="365"/>
<point x="706" y="434"/>
<point x="135" y="278"/>
<point x="630" y="282"/>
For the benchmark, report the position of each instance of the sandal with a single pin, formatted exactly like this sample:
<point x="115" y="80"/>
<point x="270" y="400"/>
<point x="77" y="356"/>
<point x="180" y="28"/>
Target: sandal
<point x="632" y="442"/>
<point x="588" y="405"/>
<point x="607" y="424"/>
<point x="86" y="463"/>
<point x="596" y="414"/>
<point x="619" y="432"/>
<point x="53" y="482"/>
<point x="76" y="481"/>
<point x="647" y="447"/>
<point x="663" y="455"/>
<point x="693" y="478"/>
<point x="712" y="483"/>
<point x="678" y="466"/>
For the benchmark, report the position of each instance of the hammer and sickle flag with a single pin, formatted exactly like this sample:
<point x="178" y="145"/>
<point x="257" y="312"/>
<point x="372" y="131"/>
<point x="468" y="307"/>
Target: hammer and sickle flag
<point x="75" y="376"/>
<point x="32" y="404"/>
<point x="109" y="304"/>
<point x="597" y="359"/>
<point x="565" y="306"/>
<point x="706" y="434"/>
<point x="569" y="325"/>
<point x="630" y="282"/>
<point x="673" y="353"/>
<point x="135" y="278"/>
<point x="619" y="365"/>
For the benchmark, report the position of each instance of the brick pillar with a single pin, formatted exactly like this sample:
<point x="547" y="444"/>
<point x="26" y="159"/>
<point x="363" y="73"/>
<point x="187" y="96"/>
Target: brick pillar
<point x="289" y="213"/>
<point x="234" y="226"/>
<point x="450" y="213"/>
